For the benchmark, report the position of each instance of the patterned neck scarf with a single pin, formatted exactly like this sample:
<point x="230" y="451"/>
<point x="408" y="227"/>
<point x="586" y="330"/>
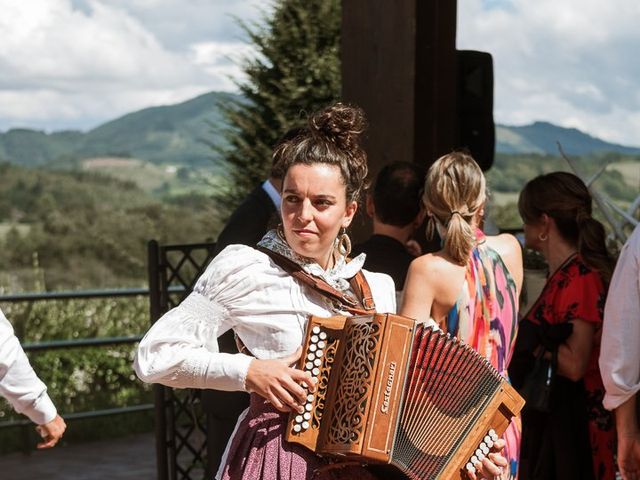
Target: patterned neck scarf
<point x="337" y="276"/>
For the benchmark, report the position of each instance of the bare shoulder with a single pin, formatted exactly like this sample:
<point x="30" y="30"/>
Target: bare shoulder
<point x="431" y="265"/>
<point x="506" y="245"/>
<point x="436" y="272"/>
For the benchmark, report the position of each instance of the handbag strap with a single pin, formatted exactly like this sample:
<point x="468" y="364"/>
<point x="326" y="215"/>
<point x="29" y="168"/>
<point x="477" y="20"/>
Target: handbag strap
<point x="362" y="304"/>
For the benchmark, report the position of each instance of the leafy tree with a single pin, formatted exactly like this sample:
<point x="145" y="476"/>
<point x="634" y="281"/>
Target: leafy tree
<point x="296" y="71"/>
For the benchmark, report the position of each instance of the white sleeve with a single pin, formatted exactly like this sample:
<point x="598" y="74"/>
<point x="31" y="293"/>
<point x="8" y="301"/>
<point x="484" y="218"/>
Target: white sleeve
<point x="181" y="349"/>
<point x="620" y="346"/>
<point x="19" y="384"/>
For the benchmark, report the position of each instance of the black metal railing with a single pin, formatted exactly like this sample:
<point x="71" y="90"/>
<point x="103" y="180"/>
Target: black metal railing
<point x="181" y="425"/>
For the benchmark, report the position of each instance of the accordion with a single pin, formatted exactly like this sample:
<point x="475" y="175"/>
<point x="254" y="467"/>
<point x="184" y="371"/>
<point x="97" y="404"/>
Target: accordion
<point x="399" y="394"/>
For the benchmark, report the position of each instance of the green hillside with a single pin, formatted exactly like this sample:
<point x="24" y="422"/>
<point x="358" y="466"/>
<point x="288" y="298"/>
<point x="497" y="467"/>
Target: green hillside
<point x="543" y="137"/>
<point x="179" y="134"/>
<point x="61" y="230"/>
<point x="182" y="134"/>
<point x="33" y="148"/>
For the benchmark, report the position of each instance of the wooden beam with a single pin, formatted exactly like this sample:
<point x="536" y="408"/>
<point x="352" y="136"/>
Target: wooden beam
<point x="399" y="64"/>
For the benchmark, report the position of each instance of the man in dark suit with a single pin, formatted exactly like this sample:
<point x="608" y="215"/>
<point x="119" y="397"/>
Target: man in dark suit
<point x="396" y="209"/>
<point x="255" y="216"/>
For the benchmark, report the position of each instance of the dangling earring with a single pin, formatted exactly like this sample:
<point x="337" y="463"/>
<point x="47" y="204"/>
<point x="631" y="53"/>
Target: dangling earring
<point x="431" y="227"/>
<point x="542" y="237"/>
<point x="344" y="243"/>
<point x="280" y="232"/>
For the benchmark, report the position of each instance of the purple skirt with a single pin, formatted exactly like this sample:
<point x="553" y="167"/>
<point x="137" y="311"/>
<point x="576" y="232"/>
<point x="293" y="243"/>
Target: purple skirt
<point x="259" y="451"/>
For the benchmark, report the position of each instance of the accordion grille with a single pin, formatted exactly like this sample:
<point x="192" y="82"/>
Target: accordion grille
<point x="351" y="403"/>
<point x="447" y="389"/>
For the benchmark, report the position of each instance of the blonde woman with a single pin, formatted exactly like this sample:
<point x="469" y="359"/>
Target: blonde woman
<point x="471" y="286"/>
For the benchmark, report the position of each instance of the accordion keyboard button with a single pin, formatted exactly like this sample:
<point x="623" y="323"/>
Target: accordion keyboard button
<point x="323" y="335"/>
<point x="321" y="344"/>
<point x="307" y="416"/>
<point x="493" y="435"/>
<point x="309" y="365"/>
<point x="305" y="425"/>
<point x="308" y="407"/>
<point x="317" y="362"/>
<point x="471" y="468"/>
<point x="313" y="347"/>
<point x="474" y="459"/>
<point x="311" y="357"/>
<point x="316" y="371"/>
<point x="319" y="353"/>
<point x="297" y="428"/>
<point x="310" y="397"/>
<point x="316" y="330"/>
<point x="299" y="419"/>
<point x="314" y="339"/>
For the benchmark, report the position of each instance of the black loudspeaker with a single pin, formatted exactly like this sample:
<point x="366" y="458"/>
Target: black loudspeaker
<point x="476" y="130"/>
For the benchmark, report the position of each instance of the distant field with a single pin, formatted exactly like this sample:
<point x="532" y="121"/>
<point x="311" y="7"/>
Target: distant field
<point x="167" y="179"/>
<point x="23" y="229"/>
<point x="630" y="171"/>
<point x="109" y="162"/>
<point x="503" y="198"/>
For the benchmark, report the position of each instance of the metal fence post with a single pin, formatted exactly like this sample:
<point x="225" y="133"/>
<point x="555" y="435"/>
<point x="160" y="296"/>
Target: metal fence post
<point x="153" y="258"/>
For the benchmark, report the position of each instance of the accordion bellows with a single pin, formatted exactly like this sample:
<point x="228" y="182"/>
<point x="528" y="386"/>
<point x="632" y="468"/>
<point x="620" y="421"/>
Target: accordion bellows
<point x="400" y="394"/>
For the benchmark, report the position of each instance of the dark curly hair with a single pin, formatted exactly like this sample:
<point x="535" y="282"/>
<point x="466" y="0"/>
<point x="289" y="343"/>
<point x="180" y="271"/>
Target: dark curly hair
<point x="332" y="136"/>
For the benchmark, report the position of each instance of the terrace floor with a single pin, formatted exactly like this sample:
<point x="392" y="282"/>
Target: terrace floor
<point x="125" y="458"/>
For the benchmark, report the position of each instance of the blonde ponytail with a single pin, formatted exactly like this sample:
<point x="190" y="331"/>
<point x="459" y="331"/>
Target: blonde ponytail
<point x="454" y="193"/>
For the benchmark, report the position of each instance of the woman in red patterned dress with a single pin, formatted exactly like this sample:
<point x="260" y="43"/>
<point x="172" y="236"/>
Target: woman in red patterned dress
<point x="575" y="439"/>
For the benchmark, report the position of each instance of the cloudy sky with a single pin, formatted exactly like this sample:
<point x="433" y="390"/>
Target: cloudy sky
<point x="78" y="63"/>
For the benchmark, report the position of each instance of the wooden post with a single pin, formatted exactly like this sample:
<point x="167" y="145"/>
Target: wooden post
<point x="399" y="65"/>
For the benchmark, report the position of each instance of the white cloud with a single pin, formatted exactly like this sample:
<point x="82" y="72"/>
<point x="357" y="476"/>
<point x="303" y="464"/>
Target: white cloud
<point x="568" y="62"/>
<point x="221" y="60"/>
<point x="77" y="63"/>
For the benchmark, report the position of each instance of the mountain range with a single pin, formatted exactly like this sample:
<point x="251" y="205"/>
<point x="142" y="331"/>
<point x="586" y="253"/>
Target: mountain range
<point x="183" y="134"/>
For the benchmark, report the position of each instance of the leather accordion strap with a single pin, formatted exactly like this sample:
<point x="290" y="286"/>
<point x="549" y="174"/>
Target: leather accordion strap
<point x="362" y="305"/>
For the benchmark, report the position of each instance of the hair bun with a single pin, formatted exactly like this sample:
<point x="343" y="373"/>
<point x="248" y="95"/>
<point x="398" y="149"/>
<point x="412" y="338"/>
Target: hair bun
<point x="342" y="124"/>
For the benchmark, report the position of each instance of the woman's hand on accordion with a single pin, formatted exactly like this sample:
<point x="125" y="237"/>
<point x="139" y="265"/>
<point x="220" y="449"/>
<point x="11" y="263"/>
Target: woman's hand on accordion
<point x="279" y="383"/>
<point x="493" y="466"/>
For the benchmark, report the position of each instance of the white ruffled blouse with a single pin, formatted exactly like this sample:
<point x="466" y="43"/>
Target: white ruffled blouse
<point x="243" y="290"/>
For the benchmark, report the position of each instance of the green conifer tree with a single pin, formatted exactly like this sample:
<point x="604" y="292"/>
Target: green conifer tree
<point x="296" y="71"/>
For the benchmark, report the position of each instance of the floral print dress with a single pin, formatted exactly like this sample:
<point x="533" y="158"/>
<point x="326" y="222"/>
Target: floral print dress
<point x="572" y="292"/>
<point x="485" y="316"/>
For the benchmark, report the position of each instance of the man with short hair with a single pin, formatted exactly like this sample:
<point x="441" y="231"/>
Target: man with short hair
<point x="396" y="208"/>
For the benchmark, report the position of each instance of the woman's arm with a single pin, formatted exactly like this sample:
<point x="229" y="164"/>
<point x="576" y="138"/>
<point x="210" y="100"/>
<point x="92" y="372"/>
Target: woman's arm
<point x="432" y="286"/>
<point x="575" y="352"/>
<point x="180" y="351"/>
<point x="418" y="294"/>
<point x="628" y="439"/>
